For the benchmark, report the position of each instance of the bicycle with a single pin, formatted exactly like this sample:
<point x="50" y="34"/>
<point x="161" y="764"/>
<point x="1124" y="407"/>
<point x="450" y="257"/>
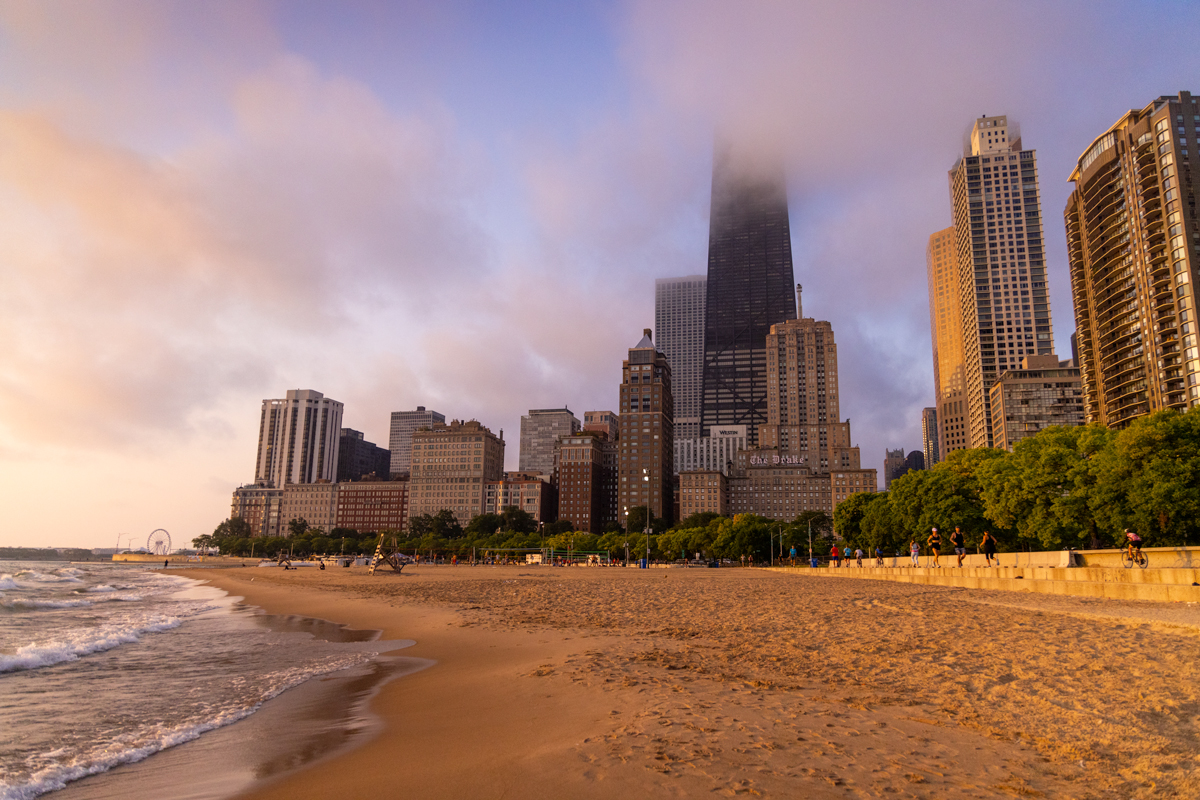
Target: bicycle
<point x="1133" y="556"/>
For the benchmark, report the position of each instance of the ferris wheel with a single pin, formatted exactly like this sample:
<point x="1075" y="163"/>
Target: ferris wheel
<point x="159" y="542"/>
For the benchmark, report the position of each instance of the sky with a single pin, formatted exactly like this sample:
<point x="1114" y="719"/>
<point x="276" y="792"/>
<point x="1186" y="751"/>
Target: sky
<point x="465" y="205"/>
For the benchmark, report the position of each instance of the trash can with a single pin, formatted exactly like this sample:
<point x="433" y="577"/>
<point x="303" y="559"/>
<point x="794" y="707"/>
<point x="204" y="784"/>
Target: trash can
<point x="642" y="564"/>
<point x="814" y="563"/>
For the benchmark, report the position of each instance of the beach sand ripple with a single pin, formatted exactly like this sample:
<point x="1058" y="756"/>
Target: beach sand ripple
<point x="750" y="682"/>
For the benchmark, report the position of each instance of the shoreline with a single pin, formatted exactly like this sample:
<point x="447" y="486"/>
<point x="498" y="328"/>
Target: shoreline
<point x="605" y="683"/>
<point x="302" y="726"/>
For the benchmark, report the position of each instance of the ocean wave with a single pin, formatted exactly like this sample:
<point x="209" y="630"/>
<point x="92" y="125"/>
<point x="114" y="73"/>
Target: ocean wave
<point x="7" y="582"/>
<point x="32" y="604"/>
<point x="104" y="587"/>
<point x="86" y="642"/>
<point x="41" y="577"/>
<point x="28" y="603"/>
<point x="105" y="756"/>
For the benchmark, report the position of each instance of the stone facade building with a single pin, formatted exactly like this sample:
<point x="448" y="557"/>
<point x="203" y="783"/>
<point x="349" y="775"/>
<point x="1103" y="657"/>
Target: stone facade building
<point x="260" y="506"/>
<point x="451" y="467"/>
<point x="315" y="503"/>
<point x="702" y="492"/>
<point x="528" y="491"/>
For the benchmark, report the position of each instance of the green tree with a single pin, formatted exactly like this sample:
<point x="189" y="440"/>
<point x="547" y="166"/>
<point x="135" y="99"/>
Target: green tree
<point x="298" y="526"/>
<point x="441" y="525"/>
<point x="518" y="520"/>
<point x="1151" y="479"/>
<point x="698" y="520"/>
<point x="561" y="526"/>
<point x="636" y="521"/>
<point x="234" y="527"/>
<point x="484" y="525"/>
<point x="1045" y="489"/>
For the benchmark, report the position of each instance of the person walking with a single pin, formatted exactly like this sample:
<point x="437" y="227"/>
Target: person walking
<point x="960" y="544"/>
<point x="846" y="555"/>
<point x="836" y="556"/>
<point x="935" y="546"/>
<point x="989" y="548"/>
<point x="915" y="550"/>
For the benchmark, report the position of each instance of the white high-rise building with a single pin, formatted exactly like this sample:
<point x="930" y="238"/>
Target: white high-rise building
<point x="298" y="439"/>
<point x="1001" y="266"/>
<point x="403" y="424"/>
<point x="679" y="306"/>
<point x="540" y="432"/>
<point x="716" y="452"/>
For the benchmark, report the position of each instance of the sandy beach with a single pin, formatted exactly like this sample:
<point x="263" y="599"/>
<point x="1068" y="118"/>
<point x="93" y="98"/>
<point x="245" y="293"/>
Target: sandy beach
<point x="670" y="683"/>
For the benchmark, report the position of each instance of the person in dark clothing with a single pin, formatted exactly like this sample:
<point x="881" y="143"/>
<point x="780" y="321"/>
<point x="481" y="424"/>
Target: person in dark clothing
<point x="935" y="545"/>
<point x="960" y="544"/>
<point x="989" y="548"/>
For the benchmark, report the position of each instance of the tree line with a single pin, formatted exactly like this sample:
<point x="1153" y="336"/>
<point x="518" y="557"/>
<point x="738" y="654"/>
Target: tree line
<point x="710" y="535"/>
<point x="1078" y="487"/>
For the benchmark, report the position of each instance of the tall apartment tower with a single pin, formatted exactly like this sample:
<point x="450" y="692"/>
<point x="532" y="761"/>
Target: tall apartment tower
<point x="749" y="289"/>
<point x="1133" y="241"/>
<point x="298" y="439"/>
<point x="1001" y="266"/>
<point x="647" y="432"/>
<point x="403" y="424"/>
<point x="946" y="327"/>
<point x="452" y="466"/>
<point x="929" y="437"/>
<point x="679" y="305"/>
<point x="540" y="433"/>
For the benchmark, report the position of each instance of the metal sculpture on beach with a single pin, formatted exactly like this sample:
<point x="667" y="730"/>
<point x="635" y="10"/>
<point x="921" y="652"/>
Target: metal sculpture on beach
<point x="388" y="552"/>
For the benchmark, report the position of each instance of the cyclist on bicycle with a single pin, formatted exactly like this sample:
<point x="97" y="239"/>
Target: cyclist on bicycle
<point x="1134" y="544"/>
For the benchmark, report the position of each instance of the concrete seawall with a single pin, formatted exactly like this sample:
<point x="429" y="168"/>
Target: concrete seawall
<point x="1099" y="574"/>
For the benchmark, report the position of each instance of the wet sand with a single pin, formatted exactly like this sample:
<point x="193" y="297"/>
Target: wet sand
<point x="670" y="683"/>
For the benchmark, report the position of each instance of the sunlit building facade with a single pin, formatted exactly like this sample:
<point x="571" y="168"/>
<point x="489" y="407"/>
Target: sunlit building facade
<point x="1004" y="302"/>
<point x="1133" y="241"/>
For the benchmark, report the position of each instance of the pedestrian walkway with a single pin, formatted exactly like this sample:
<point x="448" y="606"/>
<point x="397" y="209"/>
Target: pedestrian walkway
<point x="1163" y="585"/>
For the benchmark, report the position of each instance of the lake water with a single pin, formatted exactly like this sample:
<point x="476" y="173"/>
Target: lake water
<point x="103" y="665"/>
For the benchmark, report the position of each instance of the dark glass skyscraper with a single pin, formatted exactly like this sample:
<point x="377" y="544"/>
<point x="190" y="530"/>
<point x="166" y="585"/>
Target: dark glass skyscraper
<point x="750" y="287"/>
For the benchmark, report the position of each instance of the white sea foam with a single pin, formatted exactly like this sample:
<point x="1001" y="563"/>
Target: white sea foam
<point x="31" y="603"/>
<point x="82" y="642"/>
<point x="106" y="756"/>
<point x="41" y="577"/>
<point x="7" y="582"/>
<point x="104" y="587"/>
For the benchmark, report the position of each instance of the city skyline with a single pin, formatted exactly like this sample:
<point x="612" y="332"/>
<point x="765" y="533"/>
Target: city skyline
<point x="466" y="209"/>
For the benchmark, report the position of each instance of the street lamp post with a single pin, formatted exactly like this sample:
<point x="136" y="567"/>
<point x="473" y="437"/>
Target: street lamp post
<point x="646" y="481"/>
<point x="810" y="555"/>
